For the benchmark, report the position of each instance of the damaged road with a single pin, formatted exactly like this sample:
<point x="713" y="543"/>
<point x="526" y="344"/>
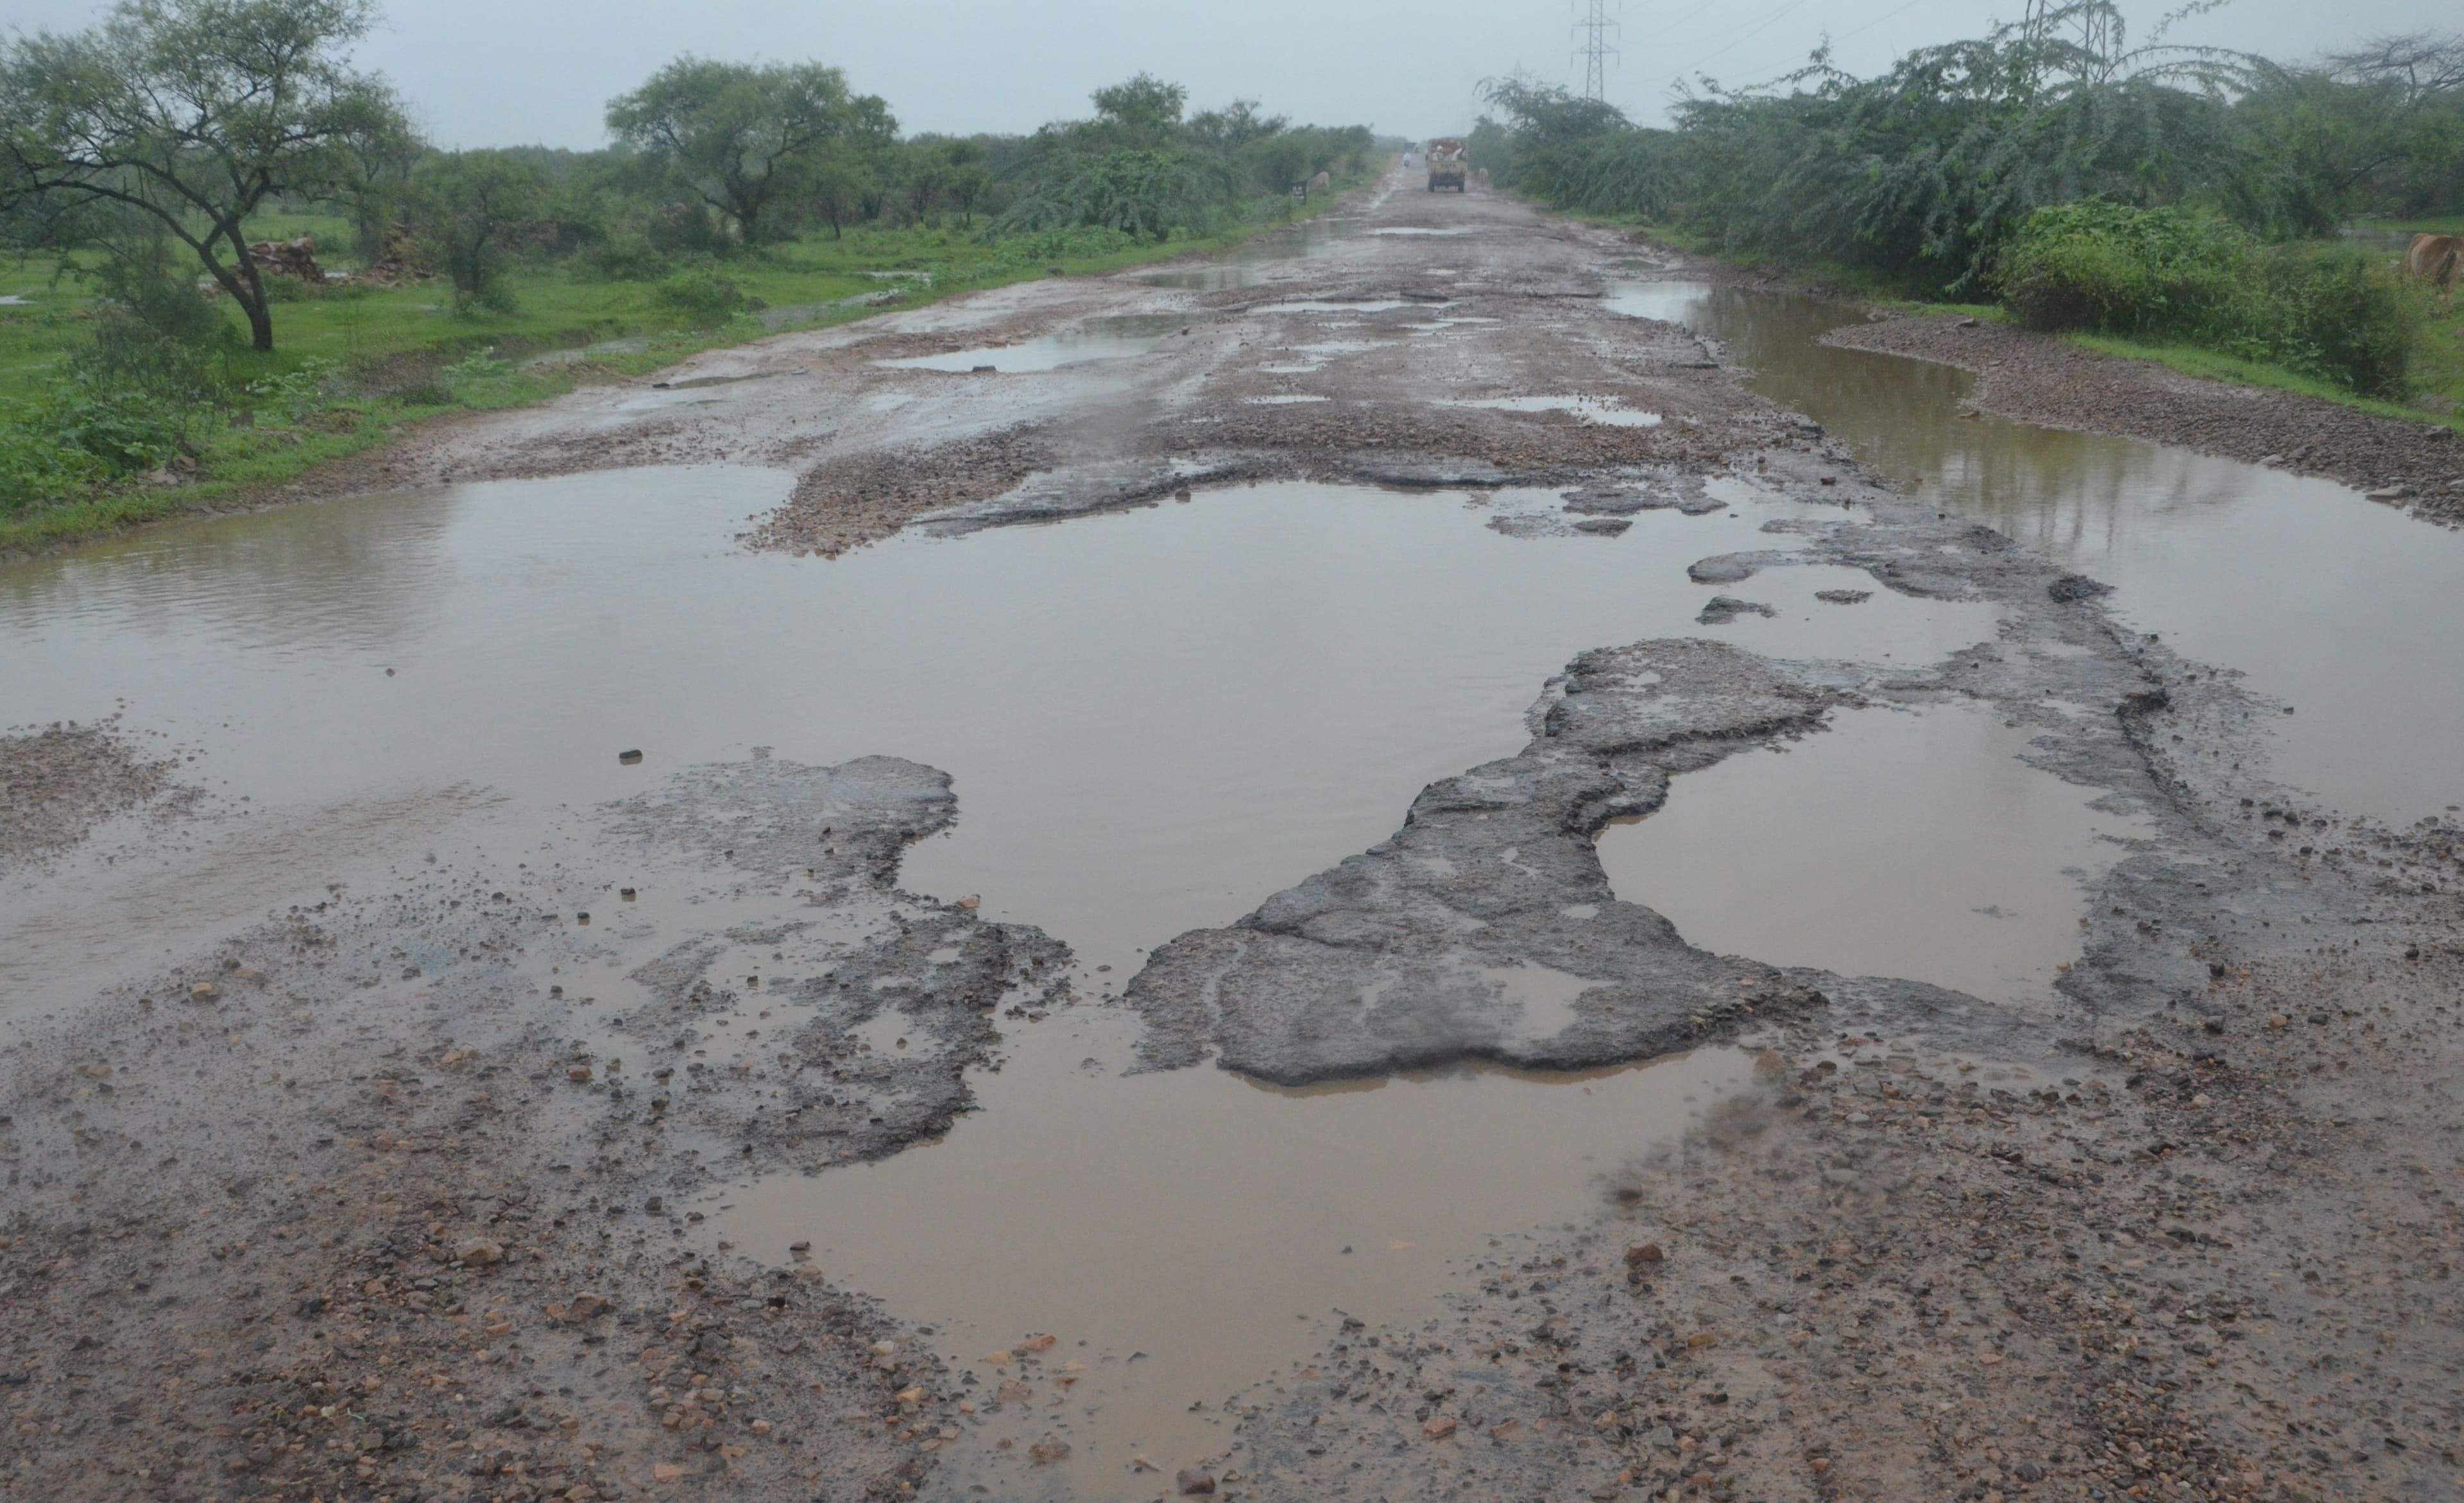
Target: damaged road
<point x="419" y="1192"/>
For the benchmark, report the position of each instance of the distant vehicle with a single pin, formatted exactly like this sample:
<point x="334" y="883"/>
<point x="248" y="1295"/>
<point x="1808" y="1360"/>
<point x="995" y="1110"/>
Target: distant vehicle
<point x="1448" y="166"/>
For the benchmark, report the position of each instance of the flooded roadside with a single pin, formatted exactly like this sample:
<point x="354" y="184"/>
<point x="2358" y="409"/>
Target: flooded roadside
<point x="2345" y="611"/>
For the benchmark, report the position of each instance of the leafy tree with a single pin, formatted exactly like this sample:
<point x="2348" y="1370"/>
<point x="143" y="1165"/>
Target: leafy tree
<point x="747" y="140"/>
<point x="1234" y="127"/>
<point x="194" y="113"/>
<point x="1142" y="113"/>
<point x="1143" y="194"/>
<point x="467" y="208"/>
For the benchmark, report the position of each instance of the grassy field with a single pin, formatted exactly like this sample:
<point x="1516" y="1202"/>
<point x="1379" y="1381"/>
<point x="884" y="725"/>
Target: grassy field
<point x="405" y="355"/>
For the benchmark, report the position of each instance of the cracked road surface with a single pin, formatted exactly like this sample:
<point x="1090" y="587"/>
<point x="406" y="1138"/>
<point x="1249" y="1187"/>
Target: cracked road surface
<point x="425" y="1185"/>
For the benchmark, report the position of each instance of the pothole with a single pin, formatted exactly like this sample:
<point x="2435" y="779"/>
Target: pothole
<point x="1911" y="844"/>
<point x="1181" y="1235"/>
<point x="1602" y="410"/>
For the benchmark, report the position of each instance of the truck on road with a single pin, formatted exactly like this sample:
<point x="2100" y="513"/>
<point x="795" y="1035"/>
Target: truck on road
<point x="1448" y="165"/>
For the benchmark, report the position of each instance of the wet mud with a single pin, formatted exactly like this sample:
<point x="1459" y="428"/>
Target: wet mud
<point x="634" y="1126"/>
<point x="64" y="781"/>
<point x="442" y="1255"/>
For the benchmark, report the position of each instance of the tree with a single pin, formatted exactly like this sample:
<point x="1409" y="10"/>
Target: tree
<point x="1142" y="113"/>
<point x="193" y="113"/>
<point x="1234" y="127"/>
<point x="744" y="140"/>
<point x="466" y="205"/>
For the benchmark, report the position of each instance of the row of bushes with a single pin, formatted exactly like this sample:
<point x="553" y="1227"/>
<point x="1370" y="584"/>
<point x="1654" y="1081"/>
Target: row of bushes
<point x="2135" y="187"/>
<point x="2168" y="274"/>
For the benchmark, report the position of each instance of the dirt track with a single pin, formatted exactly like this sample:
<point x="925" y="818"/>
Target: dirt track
<point x="360" y="1205"/>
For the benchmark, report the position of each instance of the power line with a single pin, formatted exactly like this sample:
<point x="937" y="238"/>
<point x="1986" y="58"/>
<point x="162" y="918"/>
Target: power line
<point x="1593" y="45"/>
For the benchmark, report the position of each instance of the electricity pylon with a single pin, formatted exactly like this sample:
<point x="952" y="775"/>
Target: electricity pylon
<point x="1593" y="45"/>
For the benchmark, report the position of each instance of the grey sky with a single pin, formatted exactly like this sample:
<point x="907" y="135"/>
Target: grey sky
<point x="500" y="72"/>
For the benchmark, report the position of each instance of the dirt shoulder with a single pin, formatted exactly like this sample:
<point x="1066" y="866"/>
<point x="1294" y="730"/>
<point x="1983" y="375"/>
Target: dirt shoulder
<point x="363" y="1204"/>
<point x="2039" y="379"/>
<point x="2210" y="1265"/>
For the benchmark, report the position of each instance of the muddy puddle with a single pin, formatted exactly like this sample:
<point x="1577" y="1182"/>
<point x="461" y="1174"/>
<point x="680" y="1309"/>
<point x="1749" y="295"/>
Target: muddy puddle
<point x="1269" y="258"/>
<point x="1603" y="410"/>
<point x="1092" y="340"/>
<point x="1302" y="659"/>
<point x="1180" y="1236"/>
<point x="1907" y="843"/>
<point x="2344" y="610"/>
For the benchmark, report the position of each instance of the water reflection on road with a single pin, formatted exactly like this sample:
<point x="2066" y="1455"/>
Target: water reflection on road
<point x="2347" y="611"/>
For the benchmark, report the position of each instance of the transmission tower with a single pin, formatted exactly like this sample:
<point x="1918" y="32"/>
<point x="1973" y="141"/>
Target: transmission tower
<point x="2096" y="27"/>
<point x="1593" y="44"/>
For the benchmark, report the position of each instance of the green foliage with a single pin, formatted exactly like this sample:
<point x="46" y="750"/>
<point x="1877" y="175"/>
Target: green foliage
<point x="641" y="244"/>
<point x="297" y="393"/>
<point x="1143" y="112"/>
<point x="755" y="145"/>
<point x="195" y="112"/>
<point x="2165" y="275"/>
<point x="82" y="432"/>
<point x="469" y="210"/>
<point x="701" y="292"/>
<point x="1042" y="247"/>
<point x="37" y="466"/>
<point x="1144" y="194"/>
<point x="2113" y="269"/>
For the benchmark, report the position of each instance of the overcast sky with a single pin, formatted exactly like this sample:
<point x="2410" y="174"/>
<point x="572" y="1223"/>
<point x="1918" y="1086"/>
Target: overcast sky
<point x="505" y="71"/>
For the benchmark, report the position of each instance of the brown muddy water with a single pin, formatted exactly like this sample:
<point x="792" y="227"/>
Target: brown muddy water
<point x="2346" y="611"/>
<point x="1154" y="720"/>
<point x="1182" y="1235"/>
<point x="1917" y="844"/>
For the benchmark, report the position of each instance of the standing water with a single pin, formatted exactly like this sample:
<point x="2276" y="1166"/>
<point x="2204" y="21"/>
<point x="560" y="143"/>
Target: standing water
<point x="2345" y="611"/>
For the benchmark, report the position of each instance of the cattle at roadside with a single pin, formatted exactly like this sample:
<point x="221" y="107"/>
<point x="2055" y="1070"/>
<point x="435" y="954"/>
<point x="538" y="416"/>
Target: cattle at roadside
<point x="2436" y="259"/>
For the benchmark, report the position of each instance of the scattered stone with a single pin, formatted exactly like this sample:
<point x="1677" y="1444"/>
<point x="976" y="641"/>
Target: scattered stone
<point x="2075" y="587"/>
<point x="1193" y="1483"/>
<point x="1725" y="608"/>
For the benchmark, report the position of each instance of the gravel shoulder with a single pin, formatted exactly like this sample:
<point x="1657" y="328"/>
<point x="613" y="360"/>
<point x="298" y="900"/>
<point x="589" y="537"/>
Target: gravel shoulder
<point x="2039" y="379"/>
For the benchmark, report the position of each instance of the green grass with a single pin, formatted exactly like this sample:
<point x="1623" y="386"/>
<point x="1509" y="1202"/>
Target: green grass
<point x="414" y="332"/>
<point x="2438" y="373"/>
<point x="2427" y="225"/>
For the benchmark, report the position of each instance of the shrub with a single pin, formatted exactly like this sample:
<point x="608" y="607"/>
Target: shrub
<point x="1145" y="195"/>
<point x="2325" y="311"/>
<point x="1085" y="244"/>
<point x="36" y="466"/>
<point x="295" y="394"/>
<point x="2338" y="313"/>
<point x="82" y="432"/>
<point x="701" y="292"/>
<point x="2154" y="272"/>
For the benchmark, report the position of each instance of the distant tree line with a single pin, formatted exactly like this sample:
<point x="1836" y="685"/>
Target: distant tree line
<point x="156" y="135"/>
